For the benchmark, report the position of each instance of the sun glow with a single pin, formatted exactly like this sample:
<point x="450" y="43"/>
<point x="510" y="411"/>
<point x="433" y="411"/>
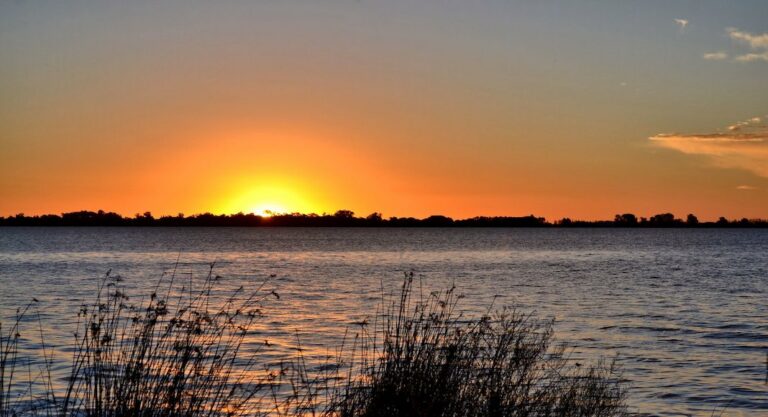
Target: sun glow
<point x="269" y="199"/>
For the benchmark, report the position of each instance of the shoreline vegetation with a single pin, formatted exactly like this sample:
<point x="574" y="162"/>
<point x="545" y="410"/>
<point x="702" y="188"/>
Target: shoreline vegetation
<point x="347" y="218"/>
<point x="179" y="353"/>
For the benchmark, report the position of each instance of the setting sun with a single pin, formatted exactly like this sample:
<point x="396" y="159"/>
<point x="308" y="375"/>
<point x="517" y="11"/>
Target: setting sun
<point x="269" y="209"/>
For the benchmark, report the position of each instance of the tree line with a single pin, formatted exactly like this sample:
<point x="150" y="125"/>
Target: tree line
<point x="347" y="218"/>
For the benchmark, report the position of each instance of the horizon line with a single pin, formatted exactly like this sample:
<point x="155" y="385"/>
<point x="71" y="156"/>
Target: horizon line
<point x="348" y="218"/>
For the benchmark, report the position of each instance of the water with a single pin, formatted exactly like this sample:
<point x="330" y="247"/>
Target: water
<point x="685" y="311"/>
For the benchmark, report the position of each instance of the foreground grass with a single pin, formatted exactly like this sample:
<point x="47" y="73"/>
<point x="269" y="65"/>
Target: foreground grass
<point x="179" y="354"/>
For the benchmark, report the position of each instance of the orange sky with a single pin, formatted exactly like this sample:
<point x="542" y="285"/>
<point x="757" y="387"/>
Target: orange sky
<point x="409" y="110"/>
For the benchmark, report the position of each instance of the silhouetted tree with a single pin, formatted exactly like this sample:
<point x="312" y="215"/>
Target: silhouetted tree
<point x="625" y="220"/>
<point x="344" y="214"/>
<point x="664" y="220"/>
<point x="437" y="221"/>
<point x="691" y="220"/>
<point x="374" y="218"/>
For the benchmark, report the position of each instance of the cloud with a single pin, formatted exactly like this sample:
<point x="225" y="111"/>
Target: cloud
<point x="754" y="41"/>
<point x="743" y="146"/>
<point x="757" y="42"/>
<point x="752" y="57"/>
<point x="682" y="22"/>
<point x="716" y="56"/>
<point x="749" y="123"/>
<point x="745" y="187"/>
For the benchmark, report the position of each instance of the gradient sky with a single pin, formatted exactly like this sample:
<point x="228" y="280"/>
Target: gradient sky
<point x="558" y="108"/>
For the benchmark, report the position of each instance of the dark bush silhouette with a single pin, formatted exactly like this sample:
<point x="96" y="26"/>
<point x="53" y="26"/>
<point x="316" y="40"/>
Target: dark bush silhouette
<point x="427" y="359"/>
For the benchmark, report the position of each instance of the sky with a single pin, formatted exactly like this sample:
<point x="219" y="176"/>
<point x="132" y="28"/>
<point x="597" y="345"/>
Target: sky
<point x="576" y="108"/>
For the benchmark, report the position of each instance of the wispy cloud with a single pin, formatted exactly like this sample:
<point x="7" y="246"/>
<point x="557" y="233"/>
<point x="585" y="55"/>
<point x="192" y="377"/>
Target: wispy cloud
<point x="746" y="187"/>
<point x="683" y="23"/>
<point x="753" y="122"/>
<point x="752" y="57"/>
<point x="716" y="56"/>
<point x="743" y="146"/>
<point x="754" y="41"/>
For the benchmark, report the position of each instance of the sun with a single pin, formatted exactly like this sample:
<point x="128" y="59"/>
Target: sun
<point x="269" y="209"/>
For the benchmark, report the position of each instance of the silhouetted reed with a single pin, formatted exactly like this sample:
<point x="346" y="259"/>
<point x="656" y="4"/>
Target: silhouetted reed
<point x="12" y="393"/>
<point x="179" y="354"/>
<point x="424" y="358"/>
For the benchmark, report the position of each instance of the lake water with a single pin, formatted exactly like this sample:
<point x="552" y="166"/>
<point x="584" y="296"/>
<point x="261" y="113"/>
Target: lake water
<point x="684" y="310"/>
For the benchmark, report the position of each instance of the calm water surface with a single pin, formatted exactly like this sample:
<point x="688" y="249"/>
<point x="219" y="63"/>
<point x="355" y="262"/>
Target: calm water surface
<point x="685" y="311"/>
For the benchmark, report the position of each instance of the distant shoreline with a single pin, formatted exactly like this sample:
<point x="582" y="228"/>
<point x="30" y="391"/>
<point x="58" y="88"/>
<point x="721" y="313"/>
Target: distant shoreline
<point x="346" y="218"/>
